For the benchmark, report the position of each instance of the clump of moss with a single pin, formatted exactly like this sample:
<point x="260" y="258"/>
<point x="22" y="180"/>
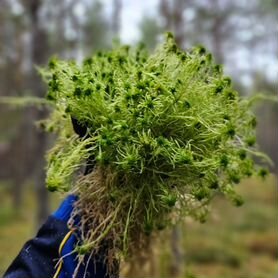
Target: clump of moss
<point x="167" y="132"/>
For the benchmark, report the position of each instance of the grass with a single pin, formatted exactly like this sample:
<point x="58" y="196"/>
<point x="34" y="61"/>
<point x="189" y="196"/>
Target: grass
<point x="239" y="243"/>
<point x="233" y="243"/>
<point x="16" y="227"/>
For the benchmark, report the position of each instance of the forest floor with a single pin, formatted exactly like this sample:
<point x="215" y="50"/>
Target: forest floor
<point x="234" y="242"/>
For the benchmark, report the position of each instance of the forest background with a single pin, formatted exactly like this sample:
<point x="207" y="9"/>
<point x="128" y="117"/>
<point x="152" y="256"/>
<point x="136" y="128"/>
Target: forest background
<point x="241" y="34"/>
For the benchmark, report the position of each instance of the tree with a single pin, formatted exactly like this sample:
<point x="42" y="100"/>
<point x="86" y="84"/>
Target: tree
<point x="38" y="138"/>
<point x="268" y="114"/>
<point x="213" y="26"/>
<point x="150" y="30"/>
<point x="95" y="29"/>
<point x="172" y="16"/>
<point x="13" y="81"/>
<point x="116" y="18"/>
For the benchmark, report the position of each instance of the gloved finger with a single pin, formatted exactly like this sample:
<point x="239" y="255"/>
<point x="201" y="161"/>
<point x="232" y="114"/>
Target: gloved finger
<point x="69" y="257"/>
<point x="94" y="266"/>
<point x="64" y="211"/>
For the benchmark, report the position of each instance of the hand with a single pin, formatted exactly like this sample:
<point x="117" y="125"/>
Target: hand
<point x="94" y="267"/>
<point x="68" y="263"/>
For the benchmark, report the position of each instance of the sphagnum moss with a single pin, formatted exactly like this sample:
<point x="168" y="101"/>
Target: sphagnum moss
<point x="167" y="132"/>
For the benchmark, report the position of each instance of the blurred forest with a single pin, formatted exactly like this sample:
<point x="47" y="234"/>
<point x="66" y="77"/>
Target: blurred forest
<point x="241" y="34"/>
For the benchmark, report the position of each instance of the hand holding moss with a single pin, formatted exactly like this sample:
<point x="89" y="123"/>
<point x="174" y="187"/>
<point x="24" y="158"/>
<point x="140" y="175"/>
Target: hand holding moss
<point x="166" y="132"/>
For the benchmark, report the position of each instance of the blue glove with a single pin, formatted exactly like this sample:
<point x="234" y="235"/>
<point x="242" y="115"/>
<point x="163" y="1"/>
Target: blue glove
<point x="95" y="268"/>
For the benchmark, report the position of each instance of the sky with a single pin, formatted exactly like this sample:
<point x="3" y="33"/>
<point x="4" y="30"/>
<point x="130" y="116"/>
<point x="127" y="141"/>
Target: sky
<point x="132" y="13"/>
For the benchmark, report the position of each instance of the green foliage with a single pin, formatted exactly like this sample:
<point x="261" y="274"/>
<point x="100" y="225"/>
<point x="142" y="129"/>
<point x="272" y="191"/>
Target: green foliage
<point x="63" y="161"/>
<point x="168" y="127"/>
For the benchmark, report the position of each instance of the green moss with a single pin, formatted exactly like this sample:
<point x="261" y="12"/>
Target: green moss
<point x="155" y="122"/>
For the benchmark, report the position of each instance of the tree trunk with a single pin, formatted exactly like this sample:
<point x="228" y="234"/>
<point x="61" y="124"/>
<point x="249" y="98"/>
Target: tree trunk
<point x="166" y="14"/>
<point x="39" y="54"/>
<point x="116" y="17"/>
<point x="178" y="22"/>
<point x="177" y="263"/>
<point x="173" y="18"/>
<point x="217" y="38"/>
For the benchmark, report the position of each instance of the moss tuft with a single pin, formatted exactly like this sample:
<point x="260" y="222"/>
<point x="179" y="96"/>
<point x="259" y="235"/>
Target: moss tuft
<point x="165" y="132"/>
